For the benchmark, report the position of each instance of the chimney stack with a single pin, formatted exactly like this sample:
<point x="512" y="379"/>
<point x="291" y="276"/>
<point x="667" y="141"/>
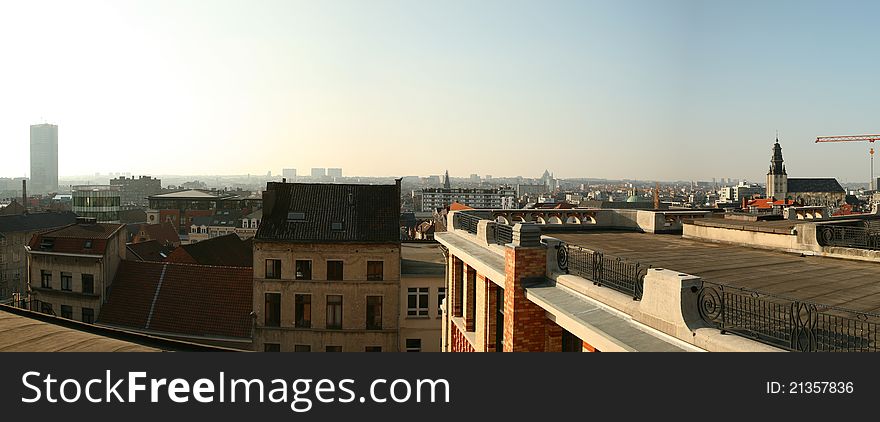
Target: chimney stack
<point x="24" y="201"/>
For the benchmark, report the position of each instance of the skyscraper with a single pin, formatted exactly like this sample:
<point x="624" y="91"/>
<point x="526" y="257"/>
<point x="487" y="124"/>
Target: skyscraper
<point x="44" y="158"/>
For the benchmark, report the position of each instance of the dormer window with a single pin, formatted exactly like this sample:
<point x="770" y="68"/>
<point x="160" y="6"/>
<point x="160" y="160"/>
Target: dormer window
<point x="47" y="243"/>
<point x="337" y="226"/>
<point x="88" y="244"/>
<point x="297" y="217"/>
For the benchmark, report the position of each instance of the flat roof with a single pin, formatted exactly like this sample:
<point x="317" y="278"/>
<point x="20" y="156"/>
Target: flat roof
<point x="767" y="226"/>
<point x="853" y="285"/>
<point x="422" y="259"/>
<point x="22" y="334"/>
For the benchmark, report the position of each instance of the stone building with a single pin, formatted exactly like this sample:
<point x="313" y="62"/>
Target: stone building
<point x="15" y="233"/>
<point x="422" y="290"/>
<point x="327" y="268"/>
<point x="135" y="191"/>
<point x="71" y="268"/>
<point x="804" y="191"/>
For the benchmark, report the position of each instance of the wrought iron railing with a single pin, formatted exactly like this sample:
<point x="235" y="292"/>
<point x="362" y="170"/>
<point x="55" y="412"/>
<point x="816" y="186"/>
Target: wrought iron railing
<point x="469" y="222"/>
<point x="603" y="270"/>
<point x="787" y="323"/>
<point x="867" y="237"/>
<point x="503" y="234"/>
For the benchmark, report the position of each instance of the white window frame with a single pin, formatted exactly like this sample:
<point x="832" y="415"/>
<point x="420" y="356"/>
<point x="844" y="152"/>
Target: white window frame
<point x="418" y="292"/>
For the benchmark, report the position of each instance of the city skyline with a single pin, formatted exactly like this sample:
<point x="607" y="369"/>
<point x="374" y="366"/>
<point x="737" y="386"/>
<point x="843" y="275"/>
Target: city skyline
<point x="676" y="90"/>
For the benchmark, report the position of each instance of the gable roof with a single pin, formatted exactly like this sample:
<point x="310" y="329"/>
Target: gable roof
<point x="827" y="184"/>
<point x="13" y="208"/>
<point x="36" y="221"/>
<point x="164" y="233"/>
<point x="367" y="213"/>
<point x="89" y="238"/>
<point x="228" y="250"/>
<point x="181" y="298"/>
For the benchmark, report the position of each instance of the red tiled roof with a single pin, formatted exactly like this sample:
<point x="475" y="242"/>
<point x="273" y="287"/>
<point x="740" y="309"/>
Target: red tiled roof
<point x="164" y="233"/>
<point x="90" y="239"/>
<point x="769" y="203"/>
<point x="191" y="300"/>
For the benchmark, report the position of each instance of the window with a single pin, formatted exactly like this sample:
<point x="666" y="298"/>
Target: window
<point x="373" y="349"/>
<point x="303" y="269"/>
<point x="441" y="294"/>
<point x="273" y="310"/>
<point x="303" y="311"/>
<point x="302" y="348"/>
<point x="417" y="301"/>
<point x="334" y="312"/>
<point x="88" y="244"/>
<point x="296" y="217"/>
<point x="570" y="342"/>
<point x="88" y="284"/>
<point x="334" y="270"/>
<point x="88" y="315"/>
<point x="271" y="347"/>
<point x="413" y="345"/>
<point x="333" y="349"/>
<point x="66" y="279"/>
<point x="66" y="312"/>
<point x="273" y="268"/>
<point x="375" y="270"/>
<point x="46" y="308"/>
<point x="374" y="312"/>
<point x="45" y="279"/>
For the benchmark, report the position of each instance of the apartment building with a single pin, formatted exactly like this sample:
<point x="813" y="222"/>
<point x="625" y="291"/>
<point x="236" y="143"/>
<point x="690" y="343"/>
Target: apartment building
<point x="15" y="233"/>
<point x="327" y="268"/>
<point x="71" y="268"/>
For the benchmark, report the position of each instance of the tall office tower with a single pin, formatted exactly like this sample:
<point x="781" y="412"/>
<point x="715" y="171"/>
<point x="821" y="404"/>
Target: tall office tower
<point x="44" y="158"/>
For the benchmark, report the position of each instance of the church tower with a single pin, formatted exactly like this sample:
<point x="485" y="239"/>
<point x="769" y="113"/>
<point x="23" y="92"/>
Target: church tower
<point x="777" y="179"/>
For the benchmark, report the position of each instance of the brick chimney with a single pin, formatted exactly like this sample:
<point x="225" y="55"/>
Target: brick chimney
<point x="24" y="200"/>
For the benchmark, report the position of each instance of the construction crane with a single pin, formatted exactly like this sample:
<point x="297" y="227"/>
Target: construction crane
<point x="856" y="138"/>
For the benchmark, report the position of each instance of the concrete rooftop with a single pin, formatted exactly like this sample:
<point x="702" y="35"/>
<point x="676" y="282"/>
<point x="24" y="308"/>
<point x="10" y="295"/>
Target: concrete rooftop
<point x="22" y="334"/>
<point x="842" y="283"/>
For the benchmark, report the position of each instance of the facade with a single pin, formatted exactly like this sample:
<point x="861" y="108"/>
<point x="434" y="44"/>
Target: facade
<point x="739" y="192"/>
<point x="44" y="158"/>
<point x="422" y="290"/>
<point x="71" y="269"/>
<point x="433" y="198"/>
<point x="289" y="174"/>
<point x="179" y="208"/>
<point x="101" y="202"/>
<point x="326" y="271"/>
<point x="334" y="172"/>
<point x="249" y="225"/>
<point x="135" y="191"/>
<point x="15" y="233"/>
<point x="319" y="172"/>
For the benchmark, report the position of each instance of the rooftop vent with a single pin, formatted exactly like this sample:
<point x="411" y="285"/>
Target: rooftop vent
<point x="296" y="216"/>
<point x="337" y="226"/>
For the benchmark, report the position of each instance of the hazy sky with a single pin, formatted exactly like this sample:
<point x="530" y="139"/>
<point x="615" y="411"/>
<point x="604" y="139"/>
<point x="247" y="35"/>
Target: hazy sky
<point x="618" y="89"/>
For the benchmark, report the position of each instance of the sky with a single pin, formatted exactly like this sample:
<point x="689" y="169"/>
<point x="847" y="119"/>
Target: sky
<point x="639" y="89"/>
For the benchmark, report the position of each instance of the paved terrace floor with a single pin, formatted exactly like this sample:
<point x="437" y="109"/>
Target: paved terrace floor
<point x="835" y="282"/>
<point x="22" y="334"/>
<point x="774" y="226"/>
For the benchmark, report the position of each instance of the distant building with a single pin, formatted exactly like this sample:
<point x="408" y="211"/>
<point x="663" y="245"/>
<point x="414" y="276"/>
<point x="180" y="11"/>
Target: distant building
<point x="334" y="172"/>
<point x="165" y="234"/>
<point x="44" y="158"/>
<point x="319" y="172"/>
<point x="805" y="191"/>
<point x="326" y="273"/>
<point x="433" y="198"/>
<point x="531" y="190"/>
<point x="289" y="174"/>
<point x="223" y="222"/>
<point x="71" y="268"/>
<point x="179" y="208"/>
<point x="101" y="202"/>
<point x="136" y="191"/>
<point x="15" y="233"/>
<point x="249" y="225"/>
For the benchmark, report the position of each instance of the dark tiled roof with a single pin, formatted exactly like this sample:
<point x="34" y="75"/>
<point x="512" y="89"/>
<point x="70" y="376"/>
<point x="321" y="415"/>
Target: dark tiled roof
<point x="829" y="184"/>
<point x="89" y="239"/>
<point x="367" y="213"/>
<point x="202" y="220"/>
<point x="192" y="299"/>
<point x="164" y="233"/>
<point x="36" y="221"/>
<point x="228" y="250"/>
<point x="13" y="209"/>
<point x="132" y="216"/>
<point x="150" y="250"/>
<point x="227" y="218"/>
